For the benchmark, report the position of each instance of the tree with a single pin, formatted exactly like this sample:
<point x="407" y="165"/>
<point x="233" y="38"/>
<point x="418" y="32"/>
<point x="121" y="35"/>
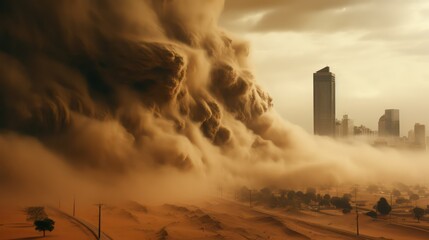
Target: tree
<point x="35" y="213"/>
<point x="44" y="225"/>
<point x="299" y="195"/>
<point x="291" y="195"/>
<point x="396" y="193"/>
<point x="273" y="201"/>
<point x="325" y="201"/>
<point x="343" y="202"/>
<point x="414" y="197"/>
<point x="318" y="197"/>
<point x="311" y="190"/>
<point x="383" y="206"/>
<point x="348" y="196"/>
<point x="418" y="213"/>
<point x="266" y="191"/>
<point x="327" y="197"/>
<point x="265" y="195"/>
<point x="308" y="197"/>
<point x="372" y="188"/>
<point x="401" y="200"/>
<point x="282" y="199"/>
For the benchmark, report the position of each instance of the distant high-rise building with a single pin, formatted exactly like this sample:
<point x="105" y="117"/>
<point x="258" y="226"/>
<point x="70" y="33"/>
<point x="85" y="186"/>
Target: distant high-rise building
<point x="382" y="126"/>
<point x="338" y="127"/>
<point x="363" y="131"/>
<point x="324" y="102"/>
<point x="411" y="136"/>
<point x="420" y="135"/>
<point x="347" y="126"/>
<point x="388" y="125"/>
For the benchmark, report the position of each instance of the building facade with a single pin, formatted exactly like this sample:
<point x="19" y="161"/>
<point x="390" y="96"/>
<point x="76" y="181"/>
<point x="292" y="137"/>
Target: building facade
<point x="420" y="136"/>
<point x="347" y="126"/>
<point x="388" y="125"/>
<point x="363" y="131"/>
<point x="324" y="102"/>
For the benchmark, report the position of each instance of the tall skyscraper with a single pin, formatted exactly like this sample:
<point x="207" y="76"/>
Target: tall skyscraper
<point x="382" y="126"/>
<point x="388" y="125"/>
<point x="420" y="135"/>
<point x="347" y="126"/>
<point x="411" y="135"/>
<point x="324" y="102"/>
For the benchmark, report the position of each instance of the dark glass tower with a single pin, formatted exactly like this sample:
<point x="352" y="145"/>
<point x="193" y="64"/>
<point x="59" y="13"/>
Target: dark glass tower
<point x="388" y="125"/>
<point x="324" y="102"/>
<point x="392" y="122"/>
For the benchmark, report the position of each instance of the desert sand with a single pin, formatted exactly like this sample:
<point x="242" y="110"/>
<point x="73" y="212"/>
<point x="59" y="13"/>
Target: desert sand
<point x="14" y="226"/>
<point x="215" y="218"/>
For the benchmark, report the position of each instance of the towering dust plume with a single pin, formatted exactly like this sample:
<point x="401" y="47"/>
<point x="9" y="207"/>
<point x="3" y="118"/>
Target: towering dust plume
<point x="152" y="90"/>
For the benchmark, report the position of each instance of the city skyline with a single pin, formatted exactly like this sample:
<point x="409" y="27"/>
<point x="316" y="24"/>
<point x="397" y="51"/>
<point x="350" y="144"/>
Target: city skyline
<point x="378" y="57"/>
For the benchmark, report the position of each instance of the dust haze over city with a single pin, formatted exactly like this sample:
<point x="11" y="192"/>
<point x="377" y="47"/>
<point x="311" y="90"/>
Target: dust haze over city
<point x="165" y="111"/>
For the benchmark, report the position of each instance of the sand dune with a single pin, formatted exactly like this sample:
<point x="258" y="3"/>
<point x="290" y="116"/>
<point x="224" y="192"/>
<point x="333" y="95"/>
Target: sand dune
<point x="213" y="219"/>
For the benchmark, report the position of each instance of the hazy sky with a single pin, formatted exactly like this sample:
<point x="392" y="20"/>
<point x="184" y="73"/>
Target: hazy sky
<point x="378" y="50"/>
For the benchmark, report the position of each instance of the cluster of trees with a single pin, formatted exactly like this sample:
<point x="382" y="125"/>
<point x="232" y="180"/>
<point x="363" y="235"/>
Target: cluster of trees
<point x="294" y="199"/>
<point x="40" y="219"/>
<point x="413" y="192"/>
<point x="383" y="208"/>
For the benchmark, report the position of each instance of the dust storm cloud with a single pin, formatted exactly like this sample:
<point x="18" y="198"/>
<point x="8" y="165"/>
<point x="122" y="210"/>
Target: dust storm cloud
<point x="153" y="91"/>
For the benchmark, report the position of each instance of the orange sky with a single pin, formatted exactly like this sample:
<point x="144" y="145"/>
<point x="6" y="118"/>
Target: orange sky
<point x="378" y="50"/>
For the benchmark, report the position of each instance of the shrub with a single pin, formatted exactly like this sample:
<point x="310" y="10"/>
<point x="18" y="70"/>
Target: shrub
<point x="347" y="210"/>
<point x="372" y="214"/>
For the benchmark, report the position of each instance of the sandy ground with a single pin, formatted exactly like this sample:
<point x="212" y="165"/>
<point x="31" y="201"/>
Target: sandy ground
<point x="212" y="219"/>
<point x="13" y="226"/>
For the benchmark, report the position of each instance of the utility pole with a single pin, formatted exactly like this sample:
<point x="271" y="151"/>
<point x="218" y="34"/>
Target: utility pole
<point x="99" y="220"/>
<point x="357" y="213"/>
<point x="74" y="205"/>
